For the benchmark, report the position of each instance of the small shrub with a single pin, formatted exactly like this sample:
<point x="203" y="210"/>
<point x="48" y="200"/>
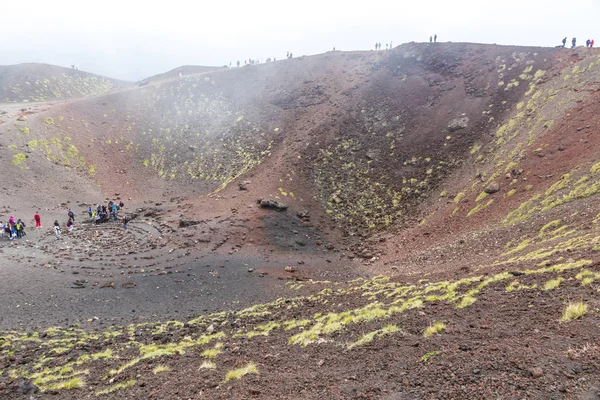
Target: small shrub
<point x="427" y="356"/>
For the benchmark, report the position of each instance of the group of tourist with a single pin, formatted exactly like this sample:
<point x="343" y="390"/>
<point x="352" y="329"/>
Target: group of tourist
<point x="14" y="229"/>
<point x="388" y="46"/>
<point x="103" y="213"/>
<point x="588" y="43"/>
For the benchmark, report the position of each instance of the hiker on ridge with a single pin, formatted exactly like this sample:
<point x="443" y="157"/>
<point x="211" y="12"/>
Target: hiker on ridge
<point x="564" y="42"/>
<point x="435" y="38"/>
<point x="592" y="43"/>
<point x="430" y="39"/>
<point x="574" y="43"/>
<point x="587" y="43"/>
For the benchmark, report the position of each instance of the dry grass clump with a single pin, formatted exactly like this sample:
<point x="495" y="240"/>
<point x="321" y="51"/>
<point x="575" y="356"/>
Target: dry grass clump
<point x="241" y="372"/>
<point x="436" y="327"/>
<point x="553" y="283"/>
<point x="73" y="383"/>
<point x="574" y="311"/>
<point x="160" y="368"/>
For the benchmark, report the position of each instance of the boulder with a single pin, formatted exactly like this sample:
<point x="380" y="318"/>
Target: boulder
<point x="185" y="223"/>
<point x="458" y="123"/>
<point x="493" y="187"/>
<point x="373" y="154"/>
<point x="273" y="204"/>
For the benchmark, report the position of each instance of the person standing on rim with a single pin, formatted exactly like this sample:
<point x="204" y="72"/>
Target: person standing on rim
<point x="574" y="43"/>
<point x="564" y="42"/>
<point x="435" y="38"/>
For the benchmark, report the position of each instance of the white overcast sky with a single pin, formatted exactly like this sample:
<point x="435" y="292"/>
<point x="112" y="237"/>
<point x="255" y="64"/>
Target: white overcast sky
<point x="130" y="39"/>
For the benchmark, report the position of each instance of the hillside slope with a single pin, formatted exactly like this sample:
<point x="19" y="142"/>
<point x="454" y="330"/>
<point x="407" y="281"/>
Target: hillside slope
<point x="33" y="82"/>
<point x="184" y="70"/>
<point x="336" y="122"/>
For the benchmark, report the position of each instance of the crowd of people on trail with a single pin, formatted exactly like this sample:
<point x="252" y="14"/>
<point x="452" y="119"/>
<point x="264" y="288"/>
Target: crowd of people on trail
<point x="588" y="43"/>
<point x="15" y="228"/>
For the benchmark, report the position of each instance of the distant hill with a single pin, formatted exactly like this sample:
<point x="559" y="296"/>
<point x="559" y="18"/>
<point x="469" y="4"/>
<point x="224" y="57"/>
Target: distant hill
<point x="33" y="82"/>
<point x="184" y="70"/>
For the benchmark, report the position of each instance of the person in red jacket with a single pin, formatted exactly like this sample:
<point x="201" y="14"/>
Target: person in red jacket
<point x="592" y="43"/>
<point x="38" y="220"/>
